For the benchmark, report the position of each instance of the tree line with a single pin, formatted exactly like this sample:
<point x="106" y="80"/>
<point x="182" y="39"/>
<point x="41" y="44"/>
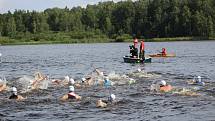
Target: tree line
<point x="142" y="18"/>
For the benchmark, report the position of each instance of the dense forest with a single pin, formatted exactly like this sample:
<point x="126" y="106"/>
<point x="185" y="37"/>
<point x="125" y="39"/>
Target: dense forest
<point x="109" y="20"/>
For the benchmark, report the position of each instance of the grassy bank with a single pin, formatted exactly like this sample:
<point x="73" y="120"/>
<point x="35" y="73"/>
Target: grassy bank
<point x="67" y="38"/>
<point x="8" y="41"/>
<point x="55" y="38"/>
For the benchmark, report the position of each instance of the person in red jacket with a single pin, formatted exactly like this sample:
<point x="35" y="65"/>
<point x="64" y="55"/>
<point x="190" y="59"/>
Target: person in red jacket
<point x="142" y="49"/>
<point x="163" y="52"/>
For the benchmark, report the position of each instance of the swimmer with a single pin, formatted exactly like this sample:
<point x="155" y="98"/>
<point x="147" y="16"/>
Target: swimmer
<point x="87" y="81"/>
<point x="164" y="87"/>
<point x="66" y="81"/>
<point x="104" y="103"/>
<point x="71" y="95"/>
<point x="107" y="82"/>
<point x="161" y="86"/>
<point x="38" y="78"/>
<point x="90" y="81"/>
<point x="197" y="81"/>
<point x="15" y="95"/>
<point x="73" y="83"/>
<point x="99" y="73"/>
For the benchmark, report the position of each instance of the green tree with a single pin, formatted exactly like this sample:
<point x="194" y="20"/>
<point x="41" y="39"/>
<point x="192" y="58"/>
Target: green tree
<point x="210" y="27"/>
<point x="1" y="24"/>
<point x="90" y="17"/>
<point x="76" y="22"/>
<point x="185" y="21"/>
<point x="10" y="26"/>
<point x="122" y="17"/>
<point x="53" y="18"/>
<point x="42" y="25"/>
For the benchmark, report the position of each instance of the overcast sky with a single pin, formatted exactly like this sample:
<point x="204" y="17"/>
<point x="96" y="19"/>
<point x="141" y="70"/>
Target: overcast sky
<point x="39" y="5"/>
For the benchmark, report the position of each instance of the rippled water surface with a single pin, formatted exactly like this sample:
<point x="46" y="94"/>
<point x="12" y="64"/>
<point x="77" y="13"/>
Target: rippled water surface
<point x="136" y="102"/>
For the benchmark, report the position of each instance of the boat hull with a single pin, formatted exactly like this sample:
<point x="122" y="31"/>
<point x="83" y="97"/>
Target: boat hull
<point x="128" y="59"/>
<point x="160" y="55"/>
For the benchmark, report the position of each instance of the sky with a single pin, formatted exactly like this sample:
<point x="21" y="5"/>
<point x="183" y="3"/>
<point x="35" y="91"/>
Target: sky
<point x="40" y="5"/>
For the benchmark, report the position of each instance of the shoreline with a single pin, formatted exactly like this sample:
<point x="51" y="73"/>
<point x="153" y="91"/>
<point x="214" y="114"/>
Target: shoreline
<point x="102" y="40"/>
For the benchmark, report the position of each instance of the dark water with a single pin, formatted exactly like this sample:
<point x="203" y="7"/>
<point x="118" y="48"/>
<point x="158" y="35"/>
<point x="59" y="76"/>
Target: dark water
<point x="136" y="102"/>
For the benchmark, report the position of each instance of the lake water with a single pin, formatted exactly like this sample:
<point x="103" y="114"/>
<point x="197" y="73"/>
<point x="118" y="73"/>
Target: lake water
<point x="137" y="102"/>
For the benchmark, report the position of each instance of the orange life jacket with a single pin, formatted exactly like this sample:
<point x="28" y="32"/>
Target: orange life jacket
<point x="142" y="46"/>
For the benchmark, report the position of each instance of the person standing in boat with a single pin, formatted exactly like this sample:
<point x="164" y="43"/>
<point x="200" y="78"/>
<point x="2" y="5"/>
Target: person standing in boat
<point x="135" y="55"/>
<point x="142" y="50"/>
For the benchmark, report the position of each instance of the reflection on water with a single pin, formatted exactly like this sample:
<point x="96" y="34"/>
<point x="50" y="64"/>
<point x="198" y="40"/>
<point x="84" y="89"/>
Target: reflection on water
<point x="136" y="101"/>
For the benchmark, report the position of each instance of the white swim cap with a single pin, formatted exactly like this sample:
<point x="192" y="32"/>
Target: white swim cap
<point x="72" y="81"/>
<point x="83" y="79"/>
<point x="66" y="78"/>
<point x="71" y="89"/>
<point x="199" y="79"/>
<point x="139" y="70"/>
<point x="14" y="89"/>
<point x="162" y="82"/>
<point x="113" y="97"/>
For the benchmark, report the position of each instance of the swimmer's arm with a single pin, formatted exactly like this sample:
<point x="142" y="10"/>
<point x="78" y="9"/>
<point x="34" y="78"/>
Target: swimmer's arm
<point x="64" y="98"/>
<point x="20" y="98"/>
<point x="98" y="72"/>
<point x="3" y="87"/>
<point x="78" y="97"/>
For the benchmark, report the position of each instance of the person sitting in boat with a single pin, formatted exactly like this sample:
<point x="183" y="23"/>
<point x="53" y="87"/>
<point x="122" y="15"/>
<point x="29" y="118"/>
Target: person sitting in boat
<point x="71" y="95"/>
<point x="197" y="81"/>
<point x="135" y="48"/>
<point x="142" y="50"/>
<point x="15" y="95"/>
<point x="163" y="52"/>
<point x="104" y="103"/>
<point x="133" y="51"/>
